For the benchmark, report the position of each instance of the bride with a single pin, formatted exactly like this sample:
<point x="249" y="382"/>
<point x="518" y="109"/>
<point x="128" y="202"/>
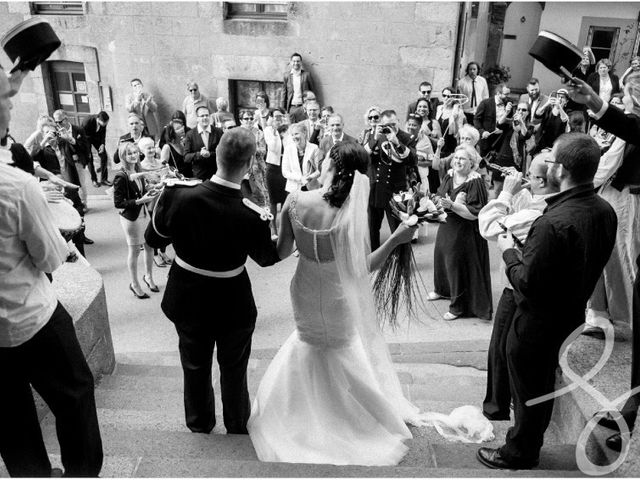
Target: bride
<point x="330" y="394"/>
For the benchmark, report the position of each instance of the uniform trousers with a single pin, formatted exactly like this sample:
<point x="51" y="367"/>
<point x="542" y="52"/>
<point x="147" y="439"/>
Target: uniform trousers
<point x="53" y="363"/>
<point x="196" y="344"/>
<point x="498" y="397"/>
<point x="375" y="223"/>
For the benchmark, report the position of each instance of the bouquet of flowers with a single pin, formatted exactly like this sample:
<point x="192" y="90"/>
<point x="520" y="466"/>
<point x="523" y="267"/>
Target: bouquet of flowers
<point x="399" y="281"/>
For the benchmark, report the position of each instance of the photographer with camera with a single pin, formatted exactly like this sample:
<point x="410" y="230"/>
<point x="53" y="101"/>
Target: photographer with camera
<point x="553" y="121"/>
<point x="391" y="158"/>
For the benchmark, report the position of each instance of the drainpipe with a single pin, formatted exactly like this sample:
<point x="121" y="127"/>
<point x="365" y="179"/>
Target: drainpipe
<point x="460" y="39"/>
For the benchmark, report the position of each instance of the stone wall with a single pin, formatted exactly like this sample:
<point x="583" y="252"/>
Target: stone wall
<point x="360" y="53"/>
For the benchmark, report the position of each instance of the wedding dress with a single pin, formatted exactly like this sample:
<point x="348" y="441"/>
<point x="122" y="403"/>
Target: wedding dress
<point x="331" y="395"/>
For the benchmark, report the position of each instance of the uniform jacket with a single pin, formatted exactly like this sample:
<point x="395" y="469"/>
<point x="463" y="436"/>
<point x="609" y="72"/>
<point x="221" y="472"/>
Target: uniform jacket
<point x="211" y="229"/>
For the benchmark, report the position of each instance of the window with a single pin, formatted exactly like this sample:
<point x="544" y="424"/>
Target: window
<point x="57" y="8"/>
<point x="68" y="87"/>
<point x="273" y="11"/>
<point x="242" y="94"/>
<point x="602" y="41"/>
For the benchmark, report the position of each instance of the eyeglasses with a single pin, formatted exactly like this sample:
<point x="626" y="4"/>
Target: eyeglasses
<point x="522" y="109"/>
<point x="193" y="89"/>
<point x="446" y="96"/>
<point x="552" y="161"/>
<point x="529" y="176"/>
<point x="206" y="115"/>
<point x="374" y="117"/>
<point x="425" y="92"/>
<point x="58" y="122"/>
<point x="246" y="119"/>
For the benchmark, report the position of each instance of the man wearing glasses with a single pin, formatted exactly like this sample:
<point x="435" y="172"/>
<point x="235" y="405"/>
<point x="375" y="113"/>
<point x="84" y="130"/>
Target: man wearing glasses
<point x="200" y="145"/>
<point x="194" y="100"/>
<point x="553" y="276"/>
<point x="515" y="210"/>
<point x="425" y="90"/>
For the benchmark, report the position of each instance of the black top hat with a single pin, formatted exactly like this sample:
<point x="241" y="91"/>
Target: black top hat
<point x="555" y="52"/>
<point x="32" y="40"/>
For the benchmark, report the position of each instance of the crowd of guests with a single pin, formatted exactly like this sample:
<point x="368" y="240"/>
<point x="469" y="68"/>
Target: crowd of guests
<point x="473" y="148"/>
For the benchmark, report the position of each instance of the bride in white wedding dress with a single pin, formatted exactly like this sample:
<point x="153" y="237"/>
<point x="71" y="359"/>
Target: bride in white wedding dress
<point x="331" y="394"/>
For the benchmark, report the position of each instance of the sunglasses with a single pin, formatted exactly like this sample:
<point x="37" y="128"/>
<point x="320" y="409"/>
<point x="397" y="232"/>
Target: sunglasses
<point x="374" y="117"/>
<point x="193" y="89"/>
<point x="425" y="92"/>
<point x="446" y="96"/>
<point x="58" y="122"/>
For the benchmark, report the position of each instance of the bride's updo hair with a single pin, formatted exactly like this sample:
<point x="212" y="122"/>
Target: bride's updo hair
<point x="347" y="158"/>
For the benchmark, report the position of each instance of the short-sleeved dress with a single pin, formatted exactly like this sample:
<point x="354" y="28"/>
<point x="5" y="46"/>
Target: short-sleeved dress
<point x="461" y="255"/>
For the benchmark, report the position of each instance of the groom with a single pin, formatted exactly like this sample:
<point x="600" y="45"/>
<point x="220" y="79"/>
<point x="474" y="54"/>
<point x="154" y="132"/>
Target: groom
<point x="208" y="295"/>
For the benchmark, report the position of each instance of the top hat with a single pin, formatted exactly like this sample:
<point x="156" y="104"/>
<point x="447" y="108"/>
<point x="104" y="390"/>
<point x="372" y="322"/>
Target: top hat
<point x="555" y="52"/>
<point x="32" y="40"/>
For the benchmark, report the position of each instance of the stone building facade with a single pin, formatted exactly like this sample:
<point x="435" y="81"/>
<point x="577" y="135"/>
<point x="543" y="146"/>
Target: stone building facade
<point x="360" y="53"/>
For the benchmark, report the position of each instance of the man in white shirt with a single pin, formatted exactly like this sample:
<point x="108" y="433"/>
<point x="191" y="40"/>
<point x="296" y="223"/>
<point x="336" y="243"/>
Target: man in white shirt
<point x="38" y="344"/>
<point x="475" y="88"/>
<point x="515" y="210"/>
<point x="194" y="100"/>
<point x="296" y="81"/>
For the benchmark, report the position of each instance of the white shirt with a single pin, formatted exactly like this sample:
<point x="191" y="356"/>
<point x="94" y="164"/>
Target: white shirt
<point x="605" y="88"/>
<point x="204" y="133"/>
<point x="465" y="85"/>
<point x="296" y="76"/>
<point x="225" y="183"/>
<point x="31" y="245"/>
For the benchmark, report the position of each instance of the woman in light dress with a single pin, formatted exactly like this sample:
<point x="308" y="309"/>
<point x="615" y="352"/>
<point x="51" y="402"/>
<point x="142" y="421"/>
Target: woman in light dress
<point x="331" y="394"/>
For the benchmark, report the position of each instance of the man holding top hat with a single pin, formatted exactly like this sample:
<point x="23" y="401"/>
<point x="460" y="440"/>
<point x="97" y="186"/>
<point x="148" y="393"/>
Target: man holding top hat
<point x="38" y="343"/>
<point x="208" y="295"/>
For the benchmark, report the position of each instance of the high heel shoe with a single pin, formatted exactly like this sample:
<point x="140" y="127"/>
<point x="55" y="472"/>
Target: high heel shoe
<point x="153" y="289"/>
<point x="144" y="295"/>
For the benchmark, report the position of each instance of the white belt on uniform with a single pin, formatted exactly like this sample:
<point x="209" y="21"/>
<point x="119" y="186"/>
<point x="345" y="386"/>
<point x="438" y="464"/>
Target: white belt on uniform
<point x="209" y="273"/>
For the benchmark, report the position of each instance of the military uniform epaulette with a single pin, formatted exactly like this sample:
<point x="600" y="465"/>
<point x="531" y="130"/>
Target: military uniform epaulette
<point x="264" y="213"/>
<point x="174" y="182"/>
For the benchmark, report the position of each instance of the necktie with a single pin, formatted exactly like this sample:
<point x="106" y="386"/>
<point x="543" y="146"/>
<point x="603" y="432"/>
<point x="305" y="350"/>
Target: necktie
<point x="473" y="93"/>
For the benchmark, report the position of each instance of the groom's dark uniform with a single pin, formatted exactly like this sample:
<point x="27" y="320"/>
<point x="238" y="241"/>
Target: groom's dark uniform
<point x="208" y="295"/>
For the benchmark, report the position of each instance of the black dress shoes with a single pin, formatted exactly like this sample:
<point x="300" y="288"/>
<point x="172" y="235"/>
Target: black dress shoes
<point x="614" y="442"/>
<point x="491" y="458"/>
<point x="107" y="183"/>
<point x="87" y="241"/>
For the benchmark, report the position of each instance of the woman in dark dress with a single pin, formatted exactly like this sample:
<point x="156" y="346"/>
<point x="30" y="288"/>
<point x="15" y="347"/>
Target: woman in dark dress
<point x="173" y="148"/>
<point x="461" y="256"/>
<point x="275" y="137"/>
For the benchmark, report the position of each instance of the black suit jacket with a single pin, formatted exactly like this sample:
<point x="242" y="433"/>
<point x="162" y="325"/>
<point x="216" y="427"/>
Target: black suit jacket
<point x="125" y="194"/>
<point x="203" y="168"/>
<point x="325" y="145"/>
<point x="306" y="83"/>
<point x="211" y="229"/>
<point x="94" y="138"/>
<point x="80" y="148"/>
<point x="485" y="120"/>
<point x="594" y="82"/>
<point x="126" y="138"/>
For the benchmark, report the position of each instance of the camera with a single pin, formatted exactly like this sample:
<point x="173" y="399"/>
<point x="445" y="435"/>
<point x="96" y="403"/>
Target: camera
<point x="385" y="129"/>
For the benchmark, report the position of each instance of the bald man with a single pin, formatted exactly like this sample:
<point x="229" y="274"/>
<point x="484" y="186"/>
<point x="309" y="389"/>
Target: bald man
<point x="208" y="295"/>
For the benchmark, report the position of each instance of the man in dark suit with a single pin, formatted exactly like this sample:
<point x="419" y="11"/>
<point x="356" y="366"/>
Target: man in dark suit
<point x="75" y="147"/>
<point x="552" y="278"/>
<point x="208" y="295"/>
<point x="490" y="115"/>
<point x="95" y="128"/>
<point x="390" y="157"/>
<point x="200" y="146"/>
<point x="296" y="81"/>
<point x="335" y="125"/>
<point x="136" y="132"/>
<point x="534" y="99"/>
<point x="425" y="90"/>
